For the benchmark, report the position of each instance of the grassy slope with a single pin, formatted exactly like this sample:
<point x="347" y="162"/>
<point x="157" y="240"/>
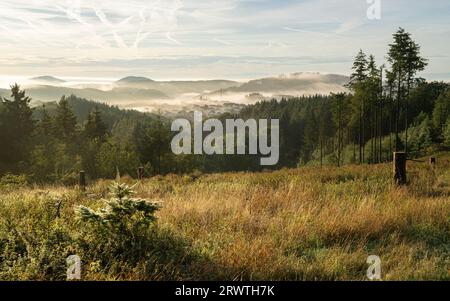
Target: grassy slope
<point x="296" y="224"/>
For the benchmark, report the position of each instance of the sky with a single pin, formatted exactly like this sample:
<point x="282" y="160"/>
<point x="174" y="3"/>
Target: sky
<point x="211" y="39"/>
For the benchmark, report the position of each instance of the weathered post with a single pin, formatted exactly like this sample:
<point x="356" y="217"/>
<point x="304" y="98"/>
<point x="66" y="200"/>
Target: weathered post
<point x="433" y="162"/>
<point x="82" y="180"/>
<point x="400" y="168"/>
<point x="140" y="172"/>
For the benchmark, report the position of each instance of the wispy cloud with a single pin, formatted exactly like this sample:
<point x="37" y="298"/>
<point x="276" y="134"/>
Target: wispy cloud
<point x="90" y="35"/>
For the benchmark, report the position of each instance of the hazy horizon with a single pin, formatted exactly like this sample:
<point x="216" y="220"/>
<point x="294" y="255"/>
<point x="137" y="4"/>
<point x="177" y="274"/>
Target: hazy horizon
<point x="24" y="80"/>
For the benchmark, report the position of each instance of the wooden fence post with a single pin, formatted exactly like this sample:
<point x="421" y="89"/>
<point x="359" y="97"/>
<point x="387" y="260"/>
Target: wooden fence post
<point x="400" y="168"/>
<point x="140" y="172"/>
<point x="433" y="162"/>
<point x="82" y="180"/>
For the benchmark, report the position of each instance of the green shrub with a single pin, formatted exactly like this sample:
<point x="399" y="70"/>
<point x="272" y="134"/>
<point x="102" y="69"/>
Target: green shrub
<point x="122" y="228"/>
<point x="121" y="211"/>
<point x="446" y="133"/>
<point x="70" y="179"/>
<point x="10" y="181"/>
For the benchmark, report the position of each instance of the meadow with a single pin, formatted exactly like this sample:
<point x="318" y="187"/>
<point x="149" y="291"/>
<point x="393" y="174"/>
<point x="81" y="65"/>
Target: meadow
<point x="308" y="223"/>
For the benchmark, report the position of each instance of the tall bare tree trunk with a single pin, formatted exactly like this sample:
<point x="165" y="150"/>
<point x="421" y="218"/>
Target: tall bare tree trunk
<point x="406" y="115"/>
<point x="381" y="116"/>
<point x="339" y="133"/>
<point x="360" y="135"/>
<point x="397" y="115"/>
<point x="363" y="132"/>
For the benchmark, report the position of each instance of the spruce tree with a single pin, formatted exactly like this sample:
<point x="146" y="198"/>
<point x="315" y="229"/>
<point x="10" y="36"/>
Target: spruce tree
<point x="405" y="60"/>
<point x="45" y="125"/>
<point x="17" y="126"/>
<point x="359" y="67"/>
<point x="95" y="128"/>
<point x="357" y="78"/>
<point x="65" y="121"/>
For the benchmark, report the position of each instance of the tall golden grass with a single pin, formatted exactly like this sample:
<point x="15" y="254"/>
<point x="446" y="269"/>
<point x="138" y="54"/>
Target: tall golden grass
<point x="293" y="224"/>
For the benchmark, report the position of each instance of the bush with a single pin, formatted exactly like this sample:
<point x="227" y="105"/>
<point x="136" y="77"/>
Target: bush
<point x="10" y="181"/>
<point x="123" y="227"/>
<point x="121" y="211"/>
<point x="123" y="239"/>
<point x="446" y="133"/>
<point x="70" y="179"/>
<point x="420" y="137"/>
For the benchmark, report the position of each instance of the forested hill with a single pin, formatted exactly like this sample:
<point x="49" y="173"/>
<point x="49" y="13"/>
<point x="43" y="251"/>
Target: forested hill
<point x="82" y="107"/>
<point x="327" y="128"/>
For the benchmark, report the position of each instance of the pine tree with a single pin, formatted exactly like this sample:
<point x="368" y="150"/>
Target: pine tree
<point x="373" y="89"/>
<point x="406" y="62"/>
<point x="65" y="121"/>
<point x="396" y="57"/>
<point x="359" y="67"/>
<point x="446" y="133"/>
<point x="95" y="128"/>
<point x="441" y="111"/>
<point x="17" y="126"/>
<point x="357" y="78"/>
<point x="152" y="140"/>
<point x="18" y="113"/>
<point x="45" y="125"/>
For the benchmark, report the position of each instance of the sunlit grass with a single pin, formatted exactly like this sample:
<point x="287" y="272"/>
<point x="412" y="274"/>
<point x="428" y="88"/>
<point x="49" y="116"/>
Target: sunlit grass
<point x="300" y="224"/>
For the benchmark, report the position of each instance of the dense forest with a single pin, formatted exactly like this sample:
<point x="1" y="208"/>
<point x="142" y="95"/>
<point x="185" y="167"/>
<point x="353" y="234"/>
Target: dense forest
<point x="387" y="109"/>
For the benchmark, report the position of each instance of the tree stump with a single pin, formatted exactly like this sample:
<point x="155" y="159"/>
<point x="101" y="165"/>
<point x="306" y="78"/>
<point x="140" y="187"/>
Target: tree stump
<point x="400" y="168"/>
<point x="82" y="180"/>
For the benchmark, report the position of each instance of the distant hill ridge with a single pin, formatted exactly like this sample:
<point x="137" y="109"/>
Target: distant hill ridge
<point x="48" y="79"/>
<point x="134" y="79"/>
<point x="142" y="92"/>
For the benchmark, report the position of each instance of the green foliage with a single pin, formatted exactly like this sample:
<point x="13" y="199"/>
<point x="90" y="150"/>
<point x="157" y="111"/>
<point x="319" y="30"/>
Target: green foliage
<point x="39" y="230"/>
<point x="441" y="110"/>
<point x="421" y="136"/>
<point x="57" y="167"/>
<point x="446" y="133"/>
<point x="16" y="128"/>
<point x="76" y="133"/>
<point x="404" y="56"/>
<point x="124" y="231"/>
<point x="423" y="98"/>
<point x="123" y="217"/>
<point x="65" y="121"/>
<point x="111" y="155"/>
<point x="152" y="141"/>
<point x="10" y="181"/>
<point x="124" y="222"/>
<point x="95" y="128"/>
<point x="359" y="69"/>
<point x="34" y="243"/>
<point x="46" y="124"/>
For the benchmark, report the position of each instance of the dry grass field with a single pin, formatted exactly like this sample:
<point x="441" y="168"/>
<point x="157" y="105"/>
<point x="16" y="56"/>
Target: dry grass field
<point x="294" y="224"/>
